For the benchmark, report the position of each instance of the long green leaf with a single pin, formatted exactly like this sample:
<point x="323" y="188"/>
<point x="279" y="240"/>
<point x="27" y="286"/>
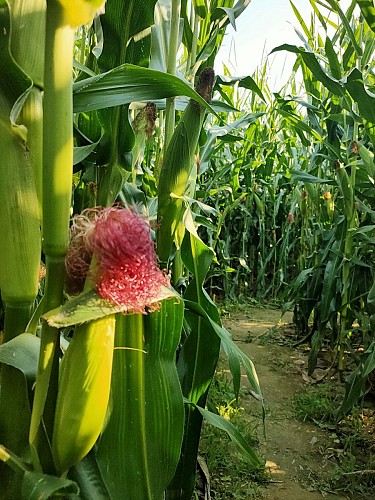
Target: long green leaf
<point x="232" y="431"/>
<point x="368" y="11"/>
<point x="140" y="446"/>
<point x="126" y="84"/>
<point x="313" y="64"/>
<point x="36" y="486"/>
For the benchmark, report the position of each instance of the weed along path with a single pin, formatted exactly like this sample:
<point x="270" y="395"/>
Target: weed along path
<point x="291" y="448"/>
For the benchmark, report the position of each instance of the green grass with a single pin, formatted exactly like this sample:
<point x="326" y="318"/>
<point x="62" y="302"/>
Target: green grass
<point x="318" y="403"/>
<point x="350" y="443"/>
<point x="231" y="475"/>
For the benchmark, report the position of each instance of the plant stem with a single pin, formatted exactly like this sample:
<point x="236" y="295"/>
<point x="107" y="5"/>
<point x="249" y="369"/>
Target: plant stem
<point x="171" y="69"/>
<point x="57" y="189"/>
<point x="41" y="427"/>
<point x="194" y="45"/>
<point x="58" y="132"/>
<point x="16" y="318"/>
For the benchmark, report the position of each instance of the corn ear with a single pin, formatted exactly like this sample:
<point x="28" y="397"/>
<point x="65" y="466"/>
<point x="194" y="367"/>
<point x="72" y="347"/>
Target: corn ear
<point x="19" y="216"/>
<point x="84" y="386"/>
<point x="19" y="220"/>
<point x="176" y="169"/>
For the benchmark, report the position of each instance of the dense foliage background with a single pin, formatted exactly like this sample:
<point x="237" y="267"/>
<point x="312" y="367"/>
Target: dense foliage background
<point x="254" y="194"/>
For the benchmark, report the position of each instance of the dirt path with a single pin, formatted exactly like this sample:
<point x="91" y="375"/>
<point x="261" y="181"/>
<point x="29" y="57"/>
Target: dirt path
<point x="290" y="447"/>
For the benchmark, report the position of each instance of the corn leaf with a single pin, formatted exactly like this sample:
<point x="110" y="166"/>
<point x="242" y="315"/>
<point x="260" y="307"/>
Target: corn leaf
<point x="87" y="475"/>
<point x="196" y="363"/>
<point x="355" y="382"/>
<point x="225" y="425"/>
<point x="126" y="84"/>
<point x="125" y="41"/>
<point x="313" y="64"/>
<point x="124" y="33"/>
<point x="89" y="306"/>
<point x="160" y="33"/>
<point x="308" y="178"/>
<point x="368" y="11"/>
<point x="22" y="353"/>
<point x="140" y="446"/>
<point x="364" y="98"/>
<point x="36" y="486"/>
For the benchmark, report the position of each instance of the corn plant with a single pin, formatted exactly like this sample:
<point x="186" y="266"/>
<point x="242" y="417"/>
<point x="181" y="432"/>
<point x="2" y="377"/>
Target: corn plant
<point x="337" y="180"/>
<point x="108" y="419"/>
<point x="292" y="191"/>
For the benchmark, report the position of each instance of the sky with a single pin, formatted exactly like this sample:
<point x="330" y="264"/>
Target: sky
<point x="263" y="25"/>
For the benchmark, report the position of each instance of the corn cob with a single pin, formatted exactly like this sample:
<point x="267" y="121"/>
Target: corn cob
<point x="84" y="385"/>
<point x="177" y="166"/>
<point x="19" y="217"/>
<point x="19" y="224"/>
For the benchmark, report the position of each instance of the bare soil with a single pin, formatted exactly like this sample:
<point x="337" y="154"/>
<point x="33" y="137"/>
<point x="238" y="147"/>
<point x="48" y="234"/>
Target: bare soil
<point x="290" y="447"/>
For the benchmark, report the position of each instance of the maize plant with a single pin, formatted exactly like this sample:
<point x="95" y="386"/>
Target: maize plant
<point x="333" y="288"/>
<point x="95" y="370"/>
<point x="291" y="182"/>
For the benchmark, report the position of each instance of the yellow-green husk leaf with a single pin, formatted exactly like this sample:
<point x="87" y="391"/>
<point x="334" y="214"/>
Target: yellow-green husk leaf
<point x="84" y="386"/>
<point x="79" y="12"/>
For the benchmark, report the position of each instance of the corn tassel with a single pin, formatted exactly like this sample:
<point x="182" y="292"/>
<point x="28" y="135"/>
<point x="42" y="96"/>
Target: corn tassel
<point x="84" y="385"/>
<point x="177" y="166"/>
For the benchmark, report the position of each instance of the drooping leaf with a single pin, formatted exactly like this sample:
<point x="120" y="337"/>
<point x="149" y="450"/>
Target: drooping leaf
<point x="363" y="97"/>
<point x="126" y="84"/>
<point x="355" y="382"/>
<point x="225" y="425"/>
<point x="197" y="360"/>
<point x="308" y="178"/>
<point x="82" y="152"/>
<point x="22" y="353"/>
<point x="89" y="479"/>
<point x="231" y="348"/>
<point x="311" y="61"/>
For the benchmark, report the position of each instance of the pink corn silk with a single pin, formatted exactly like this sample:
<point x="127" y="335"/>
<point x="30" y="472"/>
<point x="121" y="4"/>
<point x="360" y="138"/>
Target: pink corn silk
<point x="127" y="272"/>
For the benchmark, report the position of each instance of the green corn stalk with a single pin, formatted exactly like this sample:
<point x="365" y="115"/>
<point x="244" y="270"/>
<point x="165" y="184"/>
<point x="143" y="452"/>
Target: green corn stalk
<point x="346" y="184"/>
<point x="176" y="169"/>
<point x="62" y="18"/>
<point x="57" y="185"/>
<point x="171" y="68"/>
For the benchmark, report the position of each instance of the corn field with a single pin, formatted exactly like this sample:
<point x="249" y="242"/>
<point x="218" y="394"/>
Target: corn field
<point x="138" y="188"/>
